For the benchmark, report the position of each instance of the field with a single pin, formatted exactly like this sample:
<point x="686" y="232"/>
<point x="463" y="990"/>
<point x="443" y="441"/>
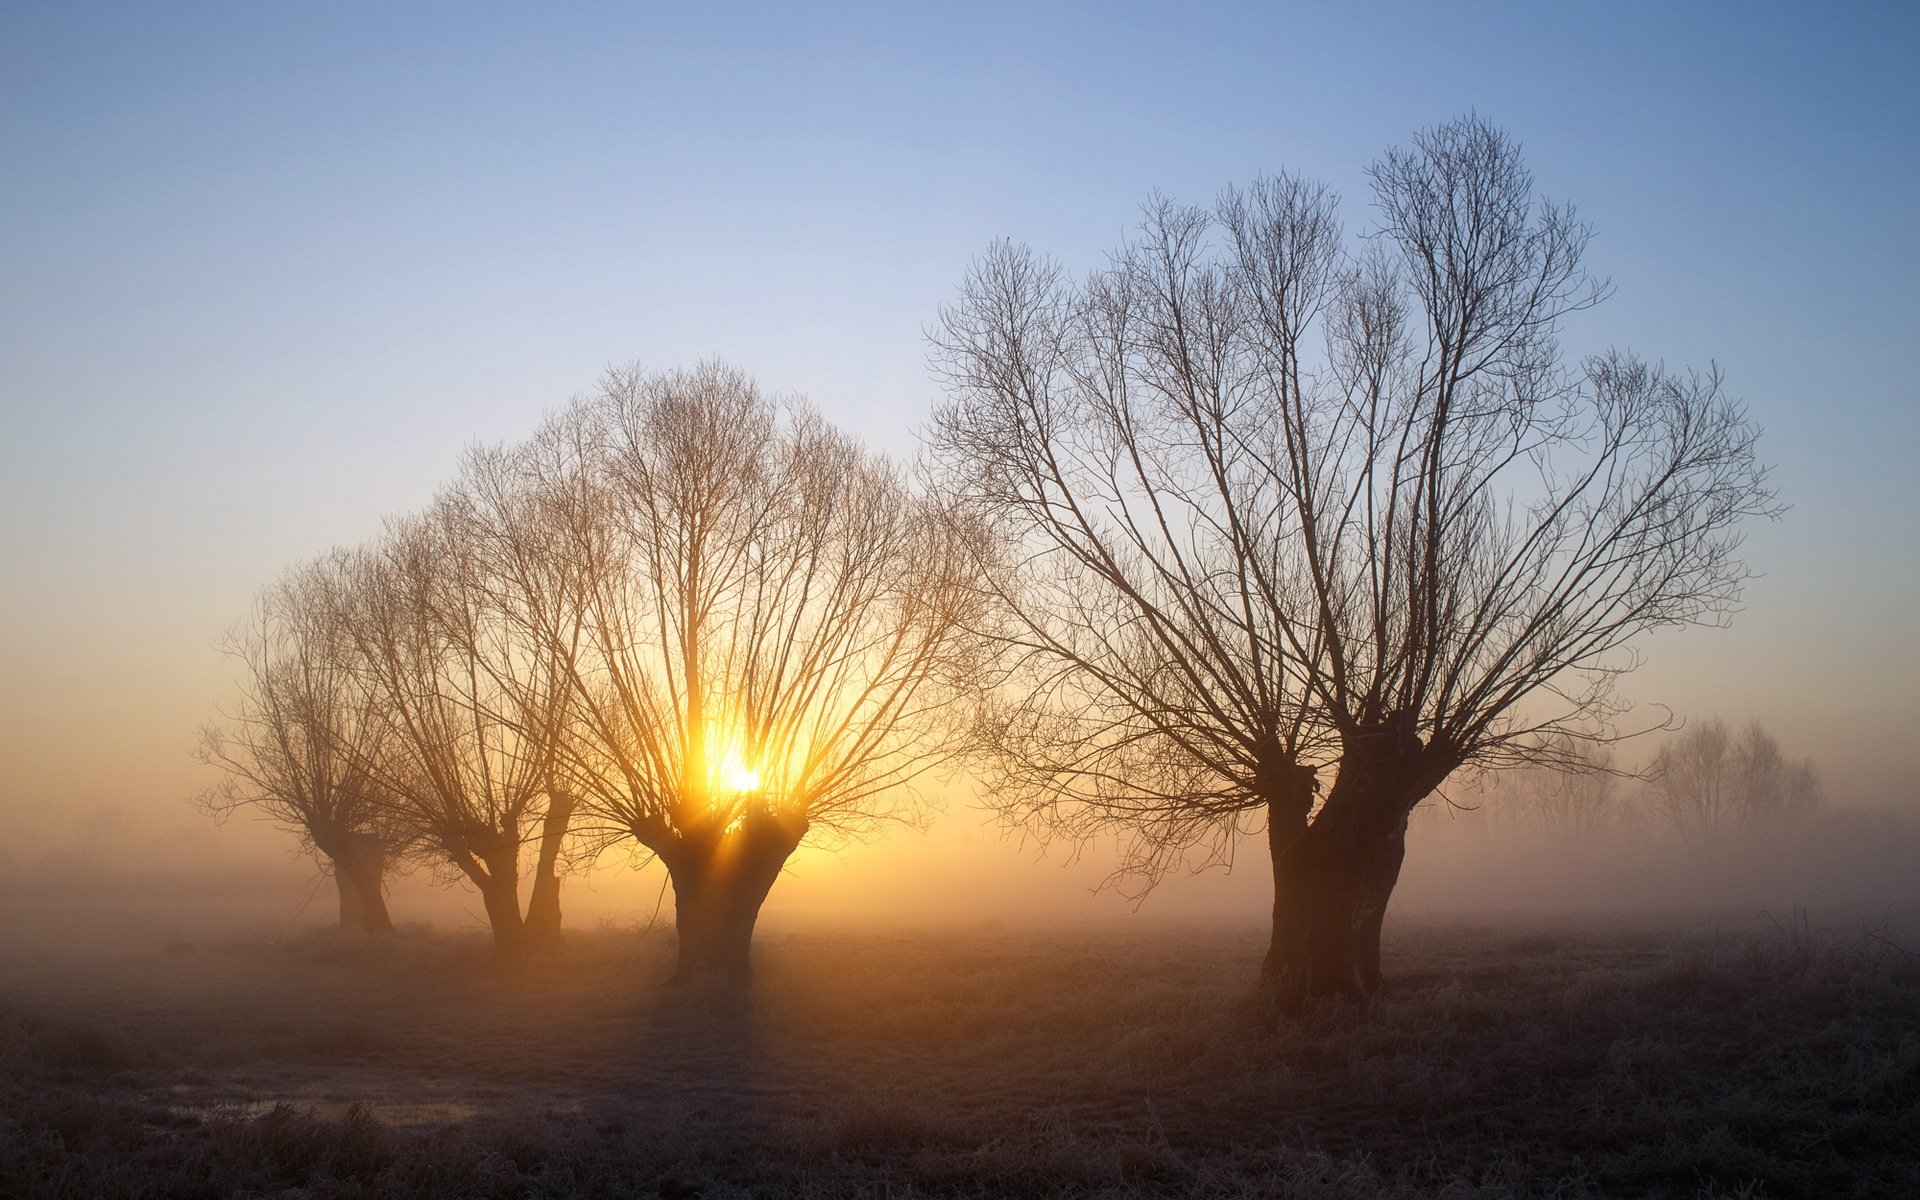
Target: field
<point x="1737" y="1057"/>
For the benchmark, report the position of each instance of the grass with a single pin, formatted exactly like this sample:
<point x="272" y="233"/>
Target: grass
<point x="1503" y="1061"/>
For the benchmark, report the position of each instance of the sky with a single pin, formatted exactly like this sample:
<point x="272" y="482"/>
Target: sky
<point x="266" y="270"/>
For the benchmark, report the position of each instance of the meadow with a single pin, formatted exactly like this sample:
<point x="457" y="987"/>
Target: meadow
<point x="1741" y="1055"/>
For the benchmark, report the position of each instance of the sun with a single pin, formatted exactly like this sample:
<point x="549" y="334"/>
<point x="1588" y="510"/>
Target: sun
<point x="737" y="776"/>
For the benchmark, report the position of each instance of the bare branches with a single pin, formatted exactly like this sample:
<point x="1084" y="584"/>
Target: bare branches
<point x="678" y="610"/>
<point x="770" y="602"/>
<point x="1160" y="636"/>
<point x="1271" y="494"/>
<point x="297" y="746"/>
<point x="303" y="746"/>
<point x="463" y="697"/>
<point x="1711" y="781"/>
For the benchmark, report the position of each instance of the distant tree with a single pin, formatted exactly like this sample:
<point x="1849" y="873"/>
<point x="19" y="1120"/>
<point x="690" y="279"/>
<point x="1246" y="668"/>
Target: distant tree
<point x="297" y="747"/>
<point x="473" y="710"/>
<point x="1568" y="789"/>
<point x="774" y="639"/>
<point x="1710" y="781"/>
<point x="1328" y="509"/>
<point x="514" y="524"/>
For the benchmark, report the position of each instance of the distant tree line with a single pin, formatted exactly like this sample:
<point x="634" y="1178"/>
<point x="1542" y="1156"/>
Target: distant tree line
<point x="1709" y="785"/>
<point x="1258" y="527"/>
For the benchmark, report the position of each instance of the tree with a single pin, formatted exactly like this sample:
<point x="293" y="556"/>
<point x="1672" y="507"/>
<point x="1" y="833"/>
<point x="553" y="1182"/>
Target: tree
<point x="1158" y="669"/>
<point x="1709" y="782"/>
<point x="512" y="529"/>
<point x="1369" y="491"/>
<point x="297" y="748"/>
<point x="773" y="644"/>
<point x="473" y="710"/>
<point x="1568" y="790"/>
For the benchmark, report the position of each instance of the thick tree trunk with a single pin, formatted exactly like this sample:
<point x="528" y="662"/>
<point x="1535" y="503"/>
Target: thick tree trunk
<point x="359" y="862"/>
<point x="353" y="904"/>
<point x="717" y="894"/>
<point x="1289" y="802"/>
<point x="1317" y="918"/>
<point x="503" y="915"/>
<point x="1379" y="876"/>
<point x="367" y="868"/>
<point x="1334" y="877"/>
<point x="543" y="905"/>
<point x="1331" y="888"/>
<point x="500" y="893"/>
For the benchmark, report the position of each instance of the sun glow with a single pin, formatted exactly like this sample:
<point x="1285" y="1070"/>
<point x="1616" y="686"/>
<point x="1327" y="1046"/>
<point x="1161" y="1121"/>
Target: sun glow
<point x="737" y="776"/>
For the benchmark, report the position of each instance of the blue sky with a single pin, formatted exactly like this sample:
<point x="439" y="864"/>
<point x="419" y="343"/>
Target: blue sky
<point x="266" y="269"/>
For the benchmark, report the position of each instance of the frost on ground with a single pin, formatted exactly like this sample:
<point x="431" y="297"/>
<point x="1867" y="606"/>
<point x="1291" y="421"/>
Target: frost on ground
<point x="1522" y="1059"/>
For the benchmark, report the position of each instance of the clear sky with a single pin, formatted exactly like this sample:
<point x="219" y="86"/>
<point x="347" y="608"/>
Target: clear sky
<point x="265" y="269"/>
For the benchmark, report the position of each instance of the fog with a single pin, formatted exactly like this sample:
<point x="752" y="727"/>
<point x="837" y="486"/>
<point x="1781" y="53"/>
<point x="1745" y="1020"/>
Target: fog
<point x="947" y="1015"/>
<point x="1046" y="428"/>
<point x="117" y="883"/>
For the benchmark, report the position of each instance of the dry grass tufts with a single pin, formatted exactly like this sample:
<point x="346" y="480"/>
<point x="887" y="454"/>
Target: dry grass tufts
<point x="1502" y="1062"/>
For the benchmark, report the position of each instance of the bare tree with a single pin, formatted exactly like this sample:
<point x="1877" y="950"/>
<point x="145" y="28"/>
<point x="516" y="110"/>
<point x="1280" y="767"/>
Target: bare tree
<point x="773" y="638"/>
<point x="1159" y="669"/>
<point x="297" y="748"/>
<point x="1491" y="530"/>
<point x="1710" y="782"/>
<point x="512" y="517"/>
<point x="473" y="708"/>
<point x="1568" y="789"/>
<point x="1370" y="475"/>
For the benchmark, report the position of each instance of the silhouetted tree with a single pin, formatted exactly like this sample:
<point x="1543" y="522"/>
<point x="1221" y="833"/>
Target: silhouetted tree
<point x="473" y="708"/>
<point x="1411" y="530"/>
<point x="1709" y="782"/>
<point x="772" y="645"/>
<point x="1158" y="642"/>
<point x="298" y="746"/>
<point x="514" y="554"/>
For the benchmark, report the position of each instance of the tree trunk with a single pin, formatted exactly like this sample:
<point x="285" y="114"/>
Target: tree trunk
<point x="1289" y="803"/>
<point x="717" y="894"/>
<point x="359" y="862"/>
<point x="1333" y="877"/>
<point x="543" y="905"/>
<point x="366" y="860"/>
<point x="500" y="893"/>
<point x="1326" y="919"/>
<point x="353" y="904"/>
<point x="1379" y="876"/>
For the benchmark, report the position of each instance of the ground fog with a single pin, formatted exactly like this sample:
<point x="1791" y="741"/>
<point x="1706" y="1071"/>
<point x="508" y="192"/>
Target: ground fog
<point x="1760" y="1055"/>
